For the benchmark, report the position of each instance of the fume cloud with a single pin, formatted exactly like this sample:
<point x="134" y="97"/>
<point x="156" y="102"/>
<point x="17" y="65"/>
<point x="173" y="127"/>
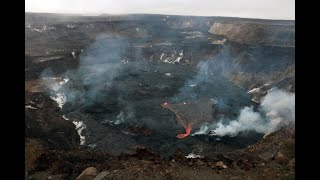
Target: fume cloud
<point x="276" y="110"/>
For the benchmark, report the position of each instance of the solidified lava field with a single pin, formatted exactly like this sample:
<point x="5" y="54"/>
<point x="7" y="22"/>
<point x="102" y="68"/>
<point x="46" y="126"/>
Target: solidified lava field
<point x="119" y="103"/>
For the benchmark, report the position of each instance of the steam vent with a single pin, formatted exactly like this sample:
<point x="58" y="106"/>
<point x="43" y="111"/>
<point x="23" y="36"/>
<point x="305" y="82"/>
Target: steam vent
<point x="148" y="96"/>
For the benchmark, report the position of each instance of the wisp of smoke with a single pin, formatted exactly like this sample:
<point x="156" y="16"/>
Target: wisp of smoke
<point x="99" y="65"/>
<point x="276" y="110"/>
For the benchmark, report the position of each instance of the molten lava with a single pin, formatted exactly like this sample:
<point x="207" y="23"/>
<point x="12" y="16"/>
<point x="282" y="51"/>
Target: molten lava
<point x="188" y="131"/>
<point x="187" y="127"/>
<point x="191" y="114"/>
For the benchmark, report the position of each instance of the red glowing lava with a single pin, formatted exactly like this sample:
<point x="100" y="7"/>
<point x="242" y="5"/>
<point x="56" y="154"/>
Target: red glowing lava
<point x="187" y="127"/>
<point x="188" y="131"/>
<point x="190" y="114"/>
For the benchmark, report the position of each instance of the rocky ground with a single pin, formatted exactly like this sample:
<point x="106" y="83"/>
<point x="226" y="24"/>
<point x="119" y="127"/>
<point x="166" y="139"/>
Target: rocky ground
<point x="272" y="158"/>
<point x="262" y="54"/>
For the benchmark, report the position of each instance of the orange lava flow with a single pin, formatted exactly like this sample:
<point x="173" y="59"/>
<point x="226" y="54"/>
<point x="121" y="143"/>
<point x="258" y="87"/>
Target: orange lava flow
<point x="188" y="131"/>
<point x="187" y="127"/>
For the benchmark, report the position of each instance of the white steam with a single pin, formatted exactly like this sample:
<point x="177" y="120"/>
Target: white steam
<point x="279" y="107"/>
<point x="204" y="129"/>
<point x="193" y="156"/>
<point x="120" y="119"/>
<point x="55" y="85"/>
<point x="247" y="120"/>
<point x="80" y="126"/>
<point x="277" y="110"/>
<point x="127" y="114"/>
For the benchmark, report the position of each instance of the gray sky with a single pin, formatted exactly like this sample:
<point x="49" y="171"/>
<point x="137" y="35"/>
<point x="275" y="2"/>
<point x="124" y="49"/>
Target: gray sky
<point x="266" y="9"/>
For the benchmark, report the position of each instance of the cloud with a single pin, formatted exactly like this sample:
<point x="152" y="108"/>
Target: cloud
<point x="265" y="9"/>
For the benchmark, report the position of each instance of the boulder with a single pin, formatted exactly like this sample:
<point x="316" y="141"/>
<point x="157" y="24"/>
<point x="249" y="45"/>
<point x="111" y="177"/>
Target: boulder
<point x="221" y="165"/>
<point x="90" y="171"/>
<point x="280" y="158"/>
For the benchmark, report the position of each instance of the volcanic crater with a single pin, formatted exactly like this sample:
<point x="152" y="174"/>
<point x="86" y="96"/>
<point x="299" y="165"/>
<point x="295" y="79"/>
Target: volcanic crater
<point x="118" y="84"/>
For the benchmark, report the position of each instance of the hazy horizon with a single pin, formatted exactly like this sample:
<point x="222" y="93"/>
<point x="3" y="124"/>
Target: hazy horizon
<point x="257" y="9"/>
<point x="92" y="14"/>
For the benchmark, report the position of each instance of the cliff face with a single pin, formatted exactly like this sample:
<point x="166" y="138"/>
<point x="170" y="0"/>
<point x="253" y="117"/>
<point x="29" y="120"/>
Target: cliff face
<point x="261" y="48"/>
<point x="256" y="33"/>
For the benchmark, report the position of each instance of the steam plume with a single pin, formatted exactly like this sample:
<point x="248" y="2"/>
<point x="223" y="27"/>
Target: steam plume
<point x="276" y="110"/>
